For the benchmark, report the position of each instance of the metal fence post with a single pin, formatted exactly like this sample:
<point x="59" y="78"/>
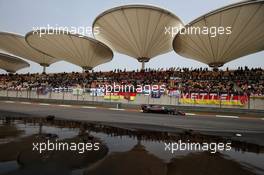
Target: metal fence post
<point x="148" y="98"/>
<point x="63" y="93"/>
<point x="249" y="101"/>
<point x="220" y="99"/>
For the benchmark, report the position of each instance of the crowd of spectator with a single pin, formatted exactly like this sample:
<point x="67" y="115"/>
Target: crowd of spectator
<point x="241" y="80"/>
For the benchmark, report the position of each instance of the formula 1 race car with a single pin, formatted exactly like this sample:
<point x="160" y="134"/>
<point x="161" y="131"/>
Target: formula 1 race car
<point x="161" y="109"/>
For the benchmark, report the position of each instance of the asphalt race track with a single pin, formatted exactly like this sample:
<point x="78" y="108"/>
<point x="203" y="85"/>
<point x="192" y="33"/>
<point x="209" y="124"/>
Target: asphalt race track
<point x="251" y="129"/>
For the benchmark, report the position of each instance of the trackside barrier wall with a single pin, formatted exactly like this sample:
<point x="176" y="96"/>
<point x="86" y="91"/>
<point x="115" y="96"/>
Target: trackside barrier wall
<point x="256" y="103"/>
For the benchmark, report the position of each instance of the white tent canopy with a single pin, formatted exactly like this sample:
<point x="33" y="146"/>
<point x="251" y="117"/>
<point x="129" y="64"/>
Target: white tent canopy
<point x="77" y="49"/>
<point x="246" y="20"/>
<point x="16" y="45"/>
<point x="11" y="63"/>
<point x="136" y="30"/>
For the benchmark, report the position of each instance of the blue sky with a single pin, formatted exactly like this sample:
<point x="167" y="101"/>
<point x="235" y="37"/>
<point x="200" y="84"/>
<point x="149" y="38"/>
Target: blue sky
<point x="20" y="16"/>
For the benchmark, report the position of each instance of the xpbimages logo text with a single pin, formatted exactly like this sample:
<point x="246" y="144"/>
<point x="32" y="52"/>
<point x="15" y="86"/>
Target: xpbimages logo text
<point x="139" y="88"/>
<point x="212" y="147"/>
<point x="56" y="145"/>
<point x="212" y="31"/>
<point x="81" y="31"/>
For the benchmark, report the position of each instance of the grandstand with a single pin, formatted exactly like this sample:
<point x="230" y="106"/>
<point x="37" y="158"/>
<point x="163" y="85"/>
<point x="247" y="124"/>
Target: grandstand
<point x="143" y="38"/>
<point x="242" y="80"/>
<point x="183" y="86"/>
<point x="99" y="110"/>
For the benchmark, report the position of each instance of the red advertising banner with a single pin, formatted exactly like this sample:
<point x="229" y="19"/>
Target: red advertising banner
<point x="212" y="98"/>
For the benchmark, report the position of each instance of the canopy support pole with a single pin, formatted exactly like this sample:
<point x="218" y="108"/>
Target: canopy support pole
<point x="143" y="61"/>
<point x="44" y="70"/>
<point x="143" y="65"/>
<point x="86" y="68"/>
<point x="44" y="65"/>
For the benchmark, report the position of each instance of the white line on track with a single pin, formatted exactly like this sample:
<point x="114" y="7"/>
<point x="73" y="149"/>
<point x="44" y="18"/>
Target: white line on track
<point x="226" y="116"/>
<point x="88" y="107"/>
<point x="116" y="109"/>
<point x="44" y="104"/>
<point x="9" y="102"/>
<point x="26" y="103"/>
<point x="65" y="105"/>
<point x="262" y="119"/>
<point x="190" y="114"/>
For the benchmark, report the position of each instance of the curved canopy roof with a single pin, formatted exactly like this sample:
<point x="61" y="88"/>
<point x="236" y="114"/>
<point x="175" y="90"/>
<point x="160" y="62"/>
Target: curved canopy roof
<point x="11" y="63"/>
<point x="16" y="45"/>
<point x="247" y="21"/>
<point x="136" y="30"/>
<point x="77" y="49"/>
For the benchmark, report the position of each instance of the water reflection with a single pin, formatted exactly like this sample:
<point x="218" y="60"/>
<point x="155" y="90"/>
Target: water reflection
<point x="206" y="163"/>
<point x="123" y="151"/>
<point x="135" y="161"/>
<point x="8" y="131"/>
